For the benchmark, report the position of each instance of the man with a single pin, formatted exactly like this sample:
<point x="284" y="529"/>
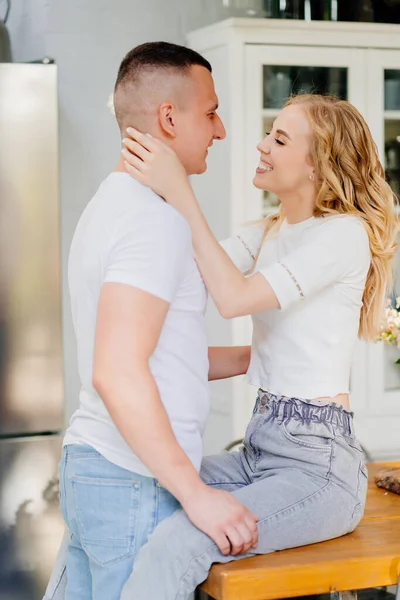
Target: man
<point x="133" y="448"/>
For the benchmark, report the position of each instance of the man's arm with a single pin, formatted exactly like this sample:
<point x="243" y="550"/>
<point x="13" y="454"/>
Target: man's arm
<point x="228" y="361"/>
<point x="129" y="323"/>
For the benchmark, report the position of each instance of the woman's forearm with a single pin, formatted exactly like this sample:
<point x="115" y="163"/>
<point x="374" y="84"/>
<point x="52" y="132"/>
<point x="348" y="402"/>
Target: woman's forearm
<point x="234" y="294"/>
<point x="228" y="361"/>
<point x="223" y="280"/>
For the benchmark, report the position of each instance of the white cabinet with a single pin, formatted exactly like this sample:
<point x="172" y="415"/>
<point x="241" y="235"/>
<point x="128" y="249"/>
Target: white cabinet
<point x="256" y="64"/>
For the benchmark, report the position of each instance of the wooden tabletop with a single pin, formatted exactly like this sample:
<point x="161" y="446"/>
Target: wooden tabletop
<point x="380" y="503"/>
<point x="368" y="557"/>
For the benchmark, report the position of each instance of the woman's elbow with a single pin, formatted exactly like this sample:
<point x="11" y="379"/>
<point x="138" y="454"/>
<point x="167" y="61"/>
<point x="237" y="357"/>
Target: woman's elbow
<point x="228" y="311"/>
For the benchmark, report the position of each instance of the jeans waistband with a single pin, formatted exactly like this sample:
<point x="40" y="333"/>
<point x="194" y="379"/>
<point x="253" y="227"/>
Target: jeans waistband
<point x="284" y="409"/>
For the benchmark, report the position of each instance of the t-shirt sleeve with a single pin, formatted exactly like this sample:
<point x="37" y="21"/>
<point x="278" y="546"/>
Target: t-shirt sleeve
<point x="243" y="248"/>
<point x="149" y="251"/>
<point x="337" y="251"/>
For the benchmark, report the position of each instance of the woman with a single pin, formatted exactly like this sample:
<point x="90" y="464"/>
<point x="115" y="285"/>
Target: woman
<point x="319" y="276"/>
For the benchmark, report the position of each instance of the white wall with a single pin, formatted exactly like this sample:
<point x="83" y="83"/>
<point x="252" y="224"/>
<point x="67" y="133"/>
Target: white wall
<point x="88" y="39"/>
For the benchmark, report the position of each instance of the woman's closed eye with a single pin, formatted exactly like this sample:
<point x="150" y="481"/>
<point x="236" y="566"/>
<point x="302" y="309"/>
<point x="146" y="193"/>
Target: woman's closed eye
<point x="277" y="140"/>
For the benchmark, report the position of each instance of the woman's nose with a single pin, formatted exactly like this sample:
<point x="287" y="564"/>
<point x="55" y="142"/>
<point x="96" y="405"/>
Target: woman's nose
<point x="263" y="147"/>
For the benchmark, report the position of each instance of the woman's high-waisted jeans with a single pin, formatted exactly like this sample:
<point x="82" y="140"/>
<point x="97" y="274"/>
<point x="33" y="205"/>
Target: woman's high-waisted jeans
<point x="301" y="471"/>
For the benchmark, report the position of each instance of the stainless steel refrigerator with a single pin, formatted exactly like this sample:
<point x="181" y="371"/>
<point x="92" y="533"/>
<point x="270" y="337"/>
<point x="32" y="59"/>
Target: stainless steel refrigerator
<point x="31" y="382"/>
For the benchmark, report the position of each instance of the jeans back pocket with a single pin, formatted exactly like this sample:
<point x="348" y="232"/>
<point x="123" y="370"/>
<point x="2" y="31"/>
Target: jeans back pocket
<point x="107" y="515"/>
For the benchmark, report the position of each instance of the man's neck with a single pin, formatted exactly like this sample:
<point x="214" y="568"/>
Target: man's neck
<point x="120" y="167"/>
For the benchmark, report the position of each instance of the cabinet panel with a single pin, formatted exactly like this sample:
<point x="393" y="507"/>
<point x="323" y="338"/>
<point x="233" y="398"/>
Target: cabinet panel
<point x="383" y="92"/>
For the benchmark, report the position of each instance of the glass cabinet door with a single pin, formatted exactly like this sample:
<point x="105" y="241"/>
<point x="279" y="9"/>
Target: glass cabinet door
<point x="273" y="73"/>
<point x="384" y="121"/>
<point x="391" y="92"/>
<point x="281" y="81"/>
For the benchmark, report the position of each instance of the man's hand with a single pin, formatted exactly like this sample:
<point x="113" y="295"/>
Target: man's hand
<point x="227" y="522"/>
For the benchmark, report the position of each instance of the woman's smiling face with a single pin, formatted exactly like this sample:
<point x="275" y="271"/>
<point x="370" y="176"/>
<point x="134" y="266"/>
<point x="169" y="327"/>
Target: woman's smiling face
<point x="285" y="166"/>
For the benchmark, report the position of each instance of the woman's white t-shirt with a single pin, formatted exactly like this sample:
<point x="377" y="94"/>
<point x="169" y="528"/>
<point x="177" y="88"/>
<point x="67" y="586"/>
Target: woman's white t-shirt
<point x="317" y="269"/>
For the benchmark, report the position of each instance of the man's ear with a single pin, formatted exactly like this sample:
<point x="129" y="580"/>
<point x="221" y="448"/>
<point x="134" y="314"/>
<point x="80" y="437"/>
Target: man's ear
<point x="167" y="118"/>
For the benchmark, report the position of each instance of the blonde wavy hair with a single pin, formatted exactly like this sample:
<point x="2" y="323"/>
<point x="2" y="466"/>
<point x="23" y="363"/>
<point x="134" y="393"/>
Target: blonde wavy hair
<point x="351" y="180"/>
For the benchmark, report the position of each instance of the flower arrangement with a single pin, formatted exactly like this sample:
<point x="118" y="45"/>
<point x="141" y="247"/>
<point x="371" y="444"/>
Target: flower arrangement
<point x="390" y="327"/>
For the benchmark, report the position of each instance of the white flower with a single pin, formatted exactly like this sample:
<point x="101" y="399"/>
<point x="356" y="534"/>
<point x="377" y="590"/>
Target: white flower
<point x="389" y="332"/>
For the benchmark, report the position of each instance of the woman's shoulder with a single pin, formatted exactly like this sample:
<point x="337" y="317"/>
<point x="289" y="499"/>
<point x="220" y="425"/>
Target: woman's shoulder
<point x="346" y="235"/>
<point x="325" y="227"/>
<point x="341" y="224"/>
<point x="340" y="220"/>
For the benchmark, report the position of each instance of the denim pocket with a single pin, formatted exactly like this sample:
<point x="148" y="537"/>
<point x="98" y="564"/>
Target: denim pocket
<point x="62" y="491"/>
<point x="362" y="483"/>
<point x="353" y="443"/>
<point x="362" y="487"/>
<point x="107" y="515"/>
<point x="166" y="504"/>
<point x="249" y="441"/>
<point x="317" y="436"/>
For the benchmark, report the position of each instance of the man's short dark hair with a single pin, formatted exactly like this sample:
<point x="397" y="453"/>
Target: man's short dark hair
<point x="158" y="55"/>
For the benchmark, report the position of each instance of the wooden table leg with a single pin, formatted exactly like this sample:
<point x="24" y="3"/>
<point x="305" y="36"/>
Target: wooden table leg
<point x="199" y="595"/>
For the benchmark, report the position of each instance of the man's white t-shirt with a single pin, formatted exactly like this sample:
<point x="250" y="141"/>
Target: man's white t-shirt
<point x="127" y="234"/>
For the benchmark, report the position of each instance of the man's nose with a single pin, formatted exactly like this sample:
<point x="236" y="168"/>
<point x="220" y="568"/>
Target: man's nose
<point x="220" y="133"/>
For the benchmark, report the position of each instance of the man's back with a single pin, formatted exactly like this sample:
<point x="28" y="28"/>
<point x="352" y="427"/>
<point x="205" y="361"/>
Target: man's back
<point x="129" y="235"/>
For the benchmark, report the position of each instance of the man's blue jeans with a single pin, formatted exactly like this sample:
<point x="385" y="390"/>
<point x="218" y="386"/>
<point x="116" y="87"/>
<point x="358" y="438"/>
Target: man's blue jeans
<point x="110" y="513"/>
